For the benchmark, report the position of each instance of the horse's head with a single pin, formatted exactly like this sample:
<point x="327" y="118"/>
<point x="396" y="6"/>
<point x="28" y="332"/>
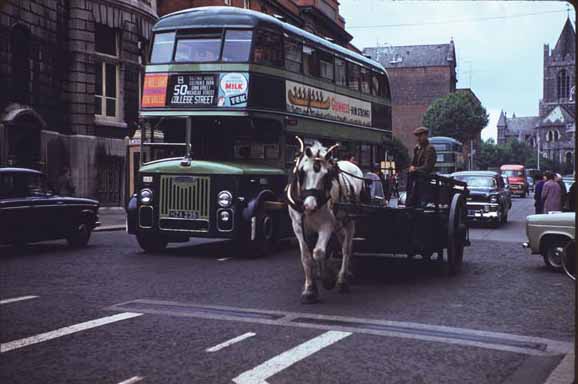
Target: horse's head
<point x="315" y="171"/>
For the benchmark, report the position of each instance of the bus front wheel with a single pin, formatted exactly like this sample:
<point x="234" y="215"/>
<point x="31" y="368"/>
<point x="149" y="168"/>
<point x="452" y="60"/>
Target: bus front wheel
<point x="151" y="243"/>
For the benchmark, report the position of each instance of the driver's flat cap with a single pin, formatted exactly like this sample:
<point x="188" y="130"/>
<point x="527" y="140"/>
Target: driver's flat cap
<point x="420" y="130"/>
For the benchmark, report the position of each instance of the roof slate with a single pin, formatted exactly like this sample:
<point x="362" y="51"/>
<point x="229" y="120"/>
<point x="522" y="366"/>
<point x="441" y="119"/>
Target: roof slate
<point x="413" y="55"/>
<point x="566" y="44"/>
<point x="522" y="124"/>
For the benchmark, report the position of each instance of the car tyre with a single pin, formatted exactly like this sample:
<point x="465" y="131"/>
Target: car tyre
<point x="553" y="253"/>
<point x="80" y="237"/>
<point x="151" y="243"/>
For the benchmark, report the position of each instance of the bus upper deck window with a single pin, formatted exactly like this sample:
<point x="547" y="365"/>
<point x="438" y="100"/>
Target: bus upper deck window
<point x="364" y="80"/>
<point x="237" y="46"/>
<point x="293" y="55"/>
<point x="353" y="76"/>
<point x="375" y="88"/>
<point x="163" y="47"/>
<point x="326" y="65"/>
<point x="268" y="48"/>
<point x="198" y="48"/>
<point x="340" y="73"/>
<point x="310" y="61"/>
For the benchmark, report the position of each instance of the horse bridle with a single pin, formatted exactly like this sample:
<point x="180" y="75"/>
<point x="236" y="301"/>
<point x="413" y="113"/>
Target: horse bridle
<point x="321" y="196"/>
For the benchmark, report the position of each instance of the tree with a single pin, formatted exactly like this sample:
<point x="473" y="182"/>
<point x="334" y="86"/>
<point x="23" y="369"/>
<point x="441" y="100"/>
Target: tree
<point x="492" y="156"/>
<point x="458" y="115"/>
<point x="398" y="150"/>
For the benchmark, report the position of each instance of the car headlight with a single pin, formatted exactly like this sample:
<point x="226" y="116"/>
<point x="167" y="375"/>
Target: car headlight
<point x="224" y="199"/>
<point x="493" y="199"/>
<point x="146" y="196"/>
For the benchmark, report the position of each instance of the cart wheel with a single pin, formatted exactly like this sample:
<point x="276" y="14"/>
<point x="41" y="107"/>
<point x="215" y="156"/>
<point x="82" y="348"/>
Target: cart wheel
<point x="456" y="234"/>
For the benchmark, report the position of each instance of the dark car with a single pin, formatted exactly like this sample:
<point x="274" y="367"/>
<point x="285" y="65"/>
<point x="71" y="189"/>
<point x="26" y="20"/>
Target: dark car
<point x="30" y="210"/>
<point x="489" y="199"/>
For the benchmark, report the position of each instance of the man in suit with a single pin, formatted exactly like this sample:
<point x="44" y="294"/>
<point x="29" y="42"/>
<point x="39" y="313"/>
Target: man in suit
<point x="422" y="164"/>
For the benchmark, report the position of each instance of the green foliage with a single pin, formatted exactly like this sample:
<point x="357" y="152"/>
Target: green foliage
<point x="492" y="156"/>
<point x="398" y="150"/>
<point x="456" y="115"/>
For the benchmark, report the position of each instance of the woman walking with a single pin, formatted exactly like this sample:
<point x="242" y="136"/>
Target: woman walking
<point x="551" y="194"/>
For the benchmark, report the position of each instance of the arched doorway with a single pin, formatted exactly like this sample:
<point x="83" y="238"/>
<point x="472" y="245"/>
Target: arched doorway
<point x="23" y="132"/>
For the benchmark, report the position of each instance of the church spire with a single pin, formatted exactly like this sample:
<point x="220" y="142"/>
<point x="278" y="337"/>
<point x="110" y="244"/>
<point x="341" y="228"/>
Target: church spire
<point x="566" y="44"/>
<point x="501" y="120"/>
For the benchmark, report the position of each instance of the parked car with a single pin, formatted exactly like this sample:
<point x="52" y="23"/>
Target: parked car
<point x="551" y="235"/>
<point x="489" y="200"/>
<point x="30" y="210"/>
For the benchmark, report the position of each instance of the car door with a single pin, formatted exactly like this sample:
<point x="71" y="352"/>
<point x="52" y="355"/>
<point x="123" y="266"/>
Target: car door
<point x="49" y="209"/>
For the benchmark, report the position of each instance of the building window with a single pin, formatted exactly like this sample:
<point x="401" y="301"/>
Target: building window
<point x="563" y="84"/>
<point x="556" y="135"/>
<point x="247" y="4"/>
<point x="20" y="45"/>
<point x="340" y="72"/>
<point x="107" y="72"/>
<point x="228" y="2"/>
<point x="268" y="48"/>
<point x="293" y="55"/>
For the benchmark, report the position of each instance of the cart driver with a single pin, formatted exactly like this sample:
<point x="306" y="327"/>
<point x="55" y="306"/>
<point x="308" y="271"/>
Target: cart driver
<point x="422" y="164"/>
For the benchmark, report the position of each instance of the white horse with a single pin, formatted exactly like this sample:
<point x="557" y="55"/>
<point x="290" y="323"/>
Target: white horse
<point x="317" y="184"/>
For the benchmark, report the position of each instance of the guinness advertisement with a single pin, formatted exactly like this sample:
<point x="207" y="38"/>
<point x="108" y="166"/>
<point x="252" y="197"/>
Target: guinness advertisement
<point x="317" y="102"/>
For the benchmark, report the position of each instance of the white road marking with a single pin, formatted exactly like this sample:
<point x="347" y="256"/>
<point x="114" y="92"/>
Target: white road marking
<point x="15" y="299"/>
<point x="225" y="259"/>
<point x="230" y="342"/>
<point x="16" y="344"/>
<point x="132" y="380"/>
<point x="261" y="373"/>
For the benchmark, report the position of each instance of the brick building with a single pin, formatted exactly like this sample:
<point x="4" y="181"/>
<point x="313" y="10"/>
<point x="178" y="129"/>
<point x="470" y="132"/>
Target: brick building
<point x="554" y="129"/>
<point x="418" y="74"/>
<point x="320" y="17"/>
<point x="69" y="87"/>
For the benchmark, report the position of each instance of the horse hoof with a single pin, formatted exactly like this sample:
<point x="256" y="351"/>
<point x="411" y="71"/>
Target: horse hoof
<point x="309" y="298"/>
<point x="343" y="287"/>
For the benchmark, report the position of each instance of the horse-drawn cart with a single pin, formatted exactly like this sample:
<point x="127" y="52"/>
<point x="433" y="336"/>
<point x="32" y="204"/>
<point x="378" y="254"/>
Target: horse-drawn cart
<point x="407" y="230"/>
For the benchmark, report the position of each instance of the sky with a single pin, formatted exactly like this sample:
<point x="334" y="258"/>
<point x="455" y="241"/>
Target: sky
<point x="499" y="44"/>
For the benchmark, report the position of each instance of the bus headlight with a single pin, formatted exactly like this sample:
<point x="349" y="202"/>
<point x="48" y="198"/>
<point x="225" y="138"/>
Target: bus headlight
<point x="224" y="199"/>
<point x="493" y="199"/>
<point x="146" y="196"/>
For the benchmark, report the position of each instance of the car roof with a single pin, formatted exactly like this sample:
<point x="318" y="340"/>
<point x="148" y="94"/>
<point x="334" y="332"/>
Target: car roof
<point x="20" y="170"/>
<point x="475" y="173"/>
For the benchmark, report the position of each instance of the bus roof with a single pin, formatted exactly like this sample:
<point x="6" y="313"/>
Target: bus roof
<point x="443" y="139"/>
<point x="233" y="17"/>
<point x="513" y="167"/>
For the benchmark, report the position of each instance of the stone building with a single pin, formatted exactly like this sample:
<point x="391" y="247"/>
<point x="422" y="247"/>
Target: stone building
<point x="320" y="17"/>
<point x="70" y="75"/>
<point x="554" y="129"/>
<point x="418" y="74"/>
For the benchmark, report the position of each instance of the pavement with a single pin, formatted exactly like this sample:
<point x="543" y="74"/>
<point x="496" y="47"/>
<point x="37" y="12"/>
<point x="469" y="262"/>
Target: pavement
<point x="111" y="219"/>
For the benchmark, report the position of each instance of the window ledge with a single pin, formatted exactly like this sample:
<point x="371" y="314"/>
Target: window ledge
<point x="100" y="120"/>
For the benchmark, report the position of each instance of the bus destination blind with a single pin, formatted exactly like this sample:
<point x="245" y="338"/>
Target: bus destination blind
<point x="191" y="90"/>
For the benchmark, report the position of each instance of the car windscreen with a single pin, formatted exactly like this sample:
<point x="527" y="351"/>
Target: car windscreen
<point x="477" y="181"/>
<point x="512" y="173"/>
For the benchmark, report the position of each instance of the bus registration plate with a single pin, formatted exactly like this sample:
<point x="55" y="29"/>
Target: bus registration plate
<point x="181" y="214"/>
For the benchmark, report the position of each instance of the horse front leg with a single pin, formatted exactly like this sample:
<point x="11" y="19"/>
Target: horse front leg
<point x="346" y="248"/>
<point x="324" y="270"/>
<point x="310" y="293"/>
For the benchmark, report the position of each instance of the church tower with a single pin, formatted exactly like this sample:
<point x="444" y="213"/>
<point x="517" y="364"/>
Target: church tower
<point x="559" y="70"/>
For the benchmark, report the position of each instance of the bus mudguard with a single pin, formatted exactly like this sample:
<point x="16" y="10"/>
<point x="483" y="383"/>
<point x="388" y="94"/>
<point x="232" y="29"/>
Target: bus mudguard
<point x="256" y="203"/>
<point x="131" y="214"/>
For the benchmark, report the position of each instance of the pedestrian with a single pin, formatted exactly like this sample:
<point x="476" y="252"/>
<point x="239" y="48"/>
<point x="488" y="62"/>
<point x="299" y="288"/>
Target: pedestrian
<point x="564" y="192"/>
<point x="551" y="194"/>
<point x="572" y="196"/>
<point x="422" y="165"/>
<point x="64" y="186"/>
<point x="541" y="179"/>
<point x="376" y="187"/>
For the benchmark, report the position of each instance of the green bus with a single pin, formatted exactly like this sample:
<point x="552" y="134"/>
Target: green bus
<point x="226" y="90"/>
<point x="450" y="155"/>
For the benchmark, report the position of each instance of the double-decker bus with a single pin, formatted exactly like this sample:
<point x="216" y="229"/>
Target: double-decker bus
<point x="450" y="155"/>
<point x="230" y="89"/>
